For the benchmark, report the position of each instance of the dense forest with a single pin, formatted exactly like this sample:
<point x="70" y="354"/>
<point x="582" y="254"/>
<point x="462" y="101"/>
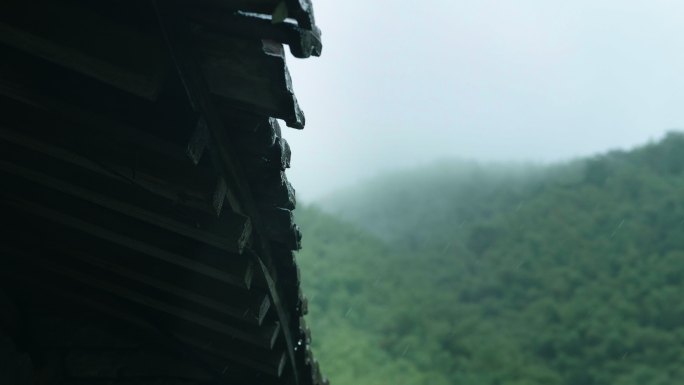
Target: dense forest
<point x="471" y="274"/>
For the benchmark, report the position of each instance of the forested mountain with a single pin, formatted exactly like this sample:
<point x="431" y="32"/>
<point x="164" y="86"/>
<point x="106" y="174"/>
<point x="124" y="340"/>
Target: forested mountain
<point x="469" y="274"/>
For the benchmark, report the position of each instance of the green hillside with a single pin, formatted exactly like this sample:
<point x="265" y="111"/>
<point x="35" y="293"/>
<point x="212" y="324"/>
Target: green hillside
<point x="480" y="275"/>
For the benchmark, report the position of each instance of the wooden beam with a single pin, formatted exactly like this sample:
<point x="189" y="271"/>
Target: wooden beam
<point x="127" y="267"/>
<point x="271" y="363"/>
<point x="100" y="139"/>
<point x="266" y="160"/>
<point x="230" y="241"/>
<point x="105" y="234"/>
<point x="130" y="60"/>
<point x="108" y="172"/>
<point x="198" y="142"/>
<point x="302" y="11"/>
<point x="303" y="42"/>
<point x="299" y="10"/>
<point x="190" y="348"/>
<point x="280" y="227"/>
<point x="249" y="308"/>
<point x="259" y="6"/>
<point x="141" y="366"/>
<point x="171" y="314"/>
<point x="179" y="41"/>
<point x="251" y="74"/>
<point x="58" y="169"/>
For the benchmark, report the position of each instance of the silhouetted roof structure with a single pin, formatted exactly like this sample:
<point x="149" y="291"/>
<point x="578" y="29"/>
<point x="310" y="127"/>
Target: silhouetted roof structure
<point x="148" y="234"/>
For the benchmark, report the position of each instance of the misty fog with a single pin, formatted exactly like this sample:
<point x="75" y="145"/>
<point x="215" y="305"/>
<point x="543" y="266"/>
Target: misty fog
<point x="402" y="84"/>
<point x="491" y="192"/>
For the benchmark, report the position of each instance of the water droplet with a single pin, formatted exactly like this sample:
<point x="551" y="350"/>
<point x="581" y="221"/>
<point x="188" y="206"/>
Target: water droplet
<point x="406" y="348"/>
<point x="617" y="228"/>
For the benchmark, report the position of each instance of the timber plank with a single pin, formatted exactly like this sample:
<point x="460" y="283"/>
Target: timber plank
<point x="179" y="40"/>
<point x="40" y="237"/>
<point x="39" y="284"/>
<point x="252" y="74"/>
<point x="95" y="137"/>
<point x="98" y="183"/>
<point x="131" y="60"/>
<point x="300" y="10"/>
<point x="163" y="312"/>
<point x="272" y="363"/>
<point x="247" y="309"/>
<point x="231" y="242"/>
<point x="124" y="366"/>
<point x="104" y="234"/>
<point x="303" y="42"/>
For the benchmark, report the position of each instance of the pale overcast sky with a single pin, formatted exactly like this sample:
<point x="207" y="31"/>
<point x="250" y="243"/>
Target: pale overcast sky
<point x="404" y="82"/>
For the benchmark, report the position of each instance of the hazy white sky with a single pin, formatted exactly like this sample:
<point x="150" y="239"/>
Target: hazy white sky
<point x="406" y="82"/>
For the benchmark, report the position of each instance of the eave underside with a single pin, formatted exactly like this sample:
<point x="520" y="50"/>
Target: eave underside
<point x="144" y="193"/>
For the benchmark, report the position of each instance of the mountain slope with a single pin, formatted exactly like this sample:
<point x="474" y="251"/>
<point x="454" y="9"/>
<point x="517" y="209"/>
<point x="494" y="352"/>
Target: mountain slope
<point x="563" y="275"/>
<point x="350" y="280"/>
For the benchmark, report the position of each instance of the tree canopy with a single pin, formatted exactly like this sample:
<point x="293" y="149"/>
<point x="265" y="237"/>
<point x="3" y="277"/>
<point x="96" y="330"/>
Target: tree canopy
<point x="470" y="274"/>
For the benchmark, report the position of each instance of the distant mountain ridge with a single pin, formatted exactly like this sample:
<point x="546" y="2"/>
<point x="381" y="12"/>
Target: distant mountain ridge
<point x="482" y="275"/>
<point x="402" y="206"/>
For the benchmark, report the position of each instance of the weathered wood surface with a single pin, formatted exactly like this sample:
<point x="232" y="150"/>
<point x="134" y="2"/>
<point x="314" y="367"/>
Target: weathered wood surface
<point x="273" y="189"/>
<point x="16" y="367"/>
<point x="106" y="344"/>
<point x="131" y="60"/>
<point x="226" y="339"/>
<point x="179" y="40"/>
<point x="99" y="139"/>
<point x="253" y="135"/>
<point x="280" y="227"/>
<point x="131" y="365"/>
<point x="138" y="334"/>
<point x="300" y="10"/>
<point x="303" y="43"/>
<point x="251" y="74"/>
<point x="229" y="235"/>
<point x="198" y="142"/>
<point x="151" y="204"/>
